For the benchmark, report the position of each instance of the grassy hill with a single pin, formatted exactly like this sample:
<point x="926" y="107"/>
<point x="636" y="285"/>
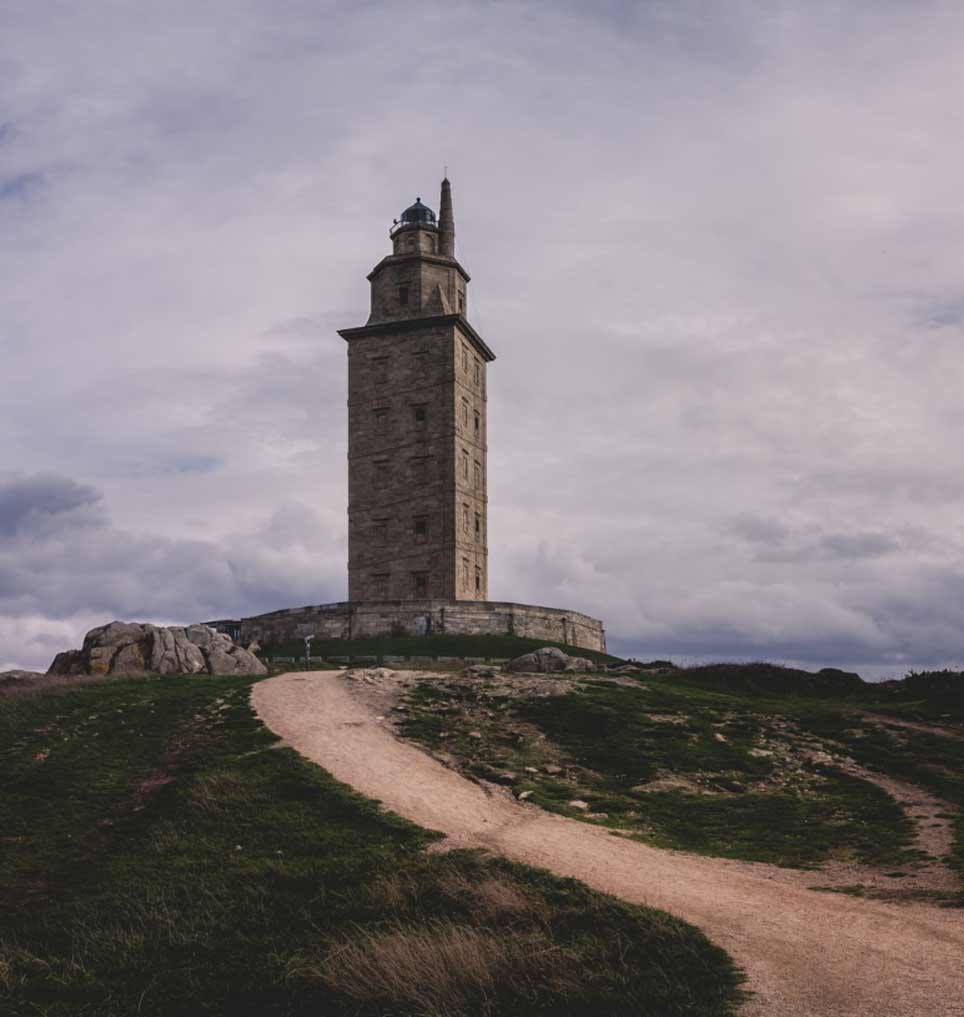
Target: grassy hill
<point x="161" y="855"/>
<point x="752" y="765"/>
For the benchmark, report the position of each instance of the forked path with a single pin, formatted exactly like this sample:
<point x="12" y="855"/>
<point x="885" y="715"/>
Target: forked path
<point x="807" y="954"/>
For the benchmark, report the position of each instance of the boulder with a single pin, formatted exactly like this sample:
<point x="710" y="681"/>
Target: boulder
<point x="68" y="662"/>
<point x="183" y="651"/>
<point x="547" y="660"/>
<point x="128" y="649"/>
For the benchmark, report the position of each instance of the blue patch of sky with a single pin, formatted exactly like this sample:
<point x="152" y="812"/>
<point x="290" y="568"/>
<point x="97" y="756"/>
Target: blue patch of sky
<point x="173" y="466"/>
<point x="192" y="464"/>
<point x="927" y="310"/>
<point x="942" y="313"/>
<point x="20" y="186"/>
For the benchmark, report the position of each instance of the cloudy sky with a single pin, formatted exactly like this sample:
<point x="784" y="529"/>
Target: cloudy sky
<point x="717" y="248"/>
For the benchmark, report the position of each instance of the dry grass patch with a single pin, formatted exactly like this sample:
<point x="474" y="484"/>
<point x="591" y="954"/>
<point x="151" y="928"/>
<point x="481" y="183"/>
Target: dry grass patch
<point x="491" y="898"/>
<point x="49" y="684"/>
<point x="441" y="969"/>
<point x="218" y="793"/>
<point x="486" y="898"/>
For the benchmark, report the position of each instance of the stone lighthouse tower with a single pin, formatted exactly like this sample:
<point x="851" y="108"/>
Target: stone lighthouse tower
<point x="417" y="473"/>
<point x="417" y="527"/>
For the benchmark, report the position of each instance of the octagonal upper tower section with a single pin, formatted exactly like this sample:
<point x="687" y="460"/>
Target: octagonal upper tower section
<point x="421" y="277"/>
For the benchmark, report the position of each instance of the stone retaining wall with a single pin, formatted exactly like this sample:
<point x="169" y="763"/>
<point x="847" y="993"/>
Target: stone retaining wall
<point x="360" y="619"/>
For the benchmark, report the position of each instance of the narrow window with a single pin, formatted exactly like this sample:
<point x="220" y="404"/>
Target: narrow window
<point x="465" y="464"/>
<point x="478" y="579"/>
<point x="465" y="573"/>
<point x="381" y="531"/>
<point x="421" y="584"/>
<point x="478" y="527"/>
<point x="461" y="303"/>
<point x="478" y="476"/>
<point x="478" y="373"/>
<point x="465" y="412"/>
<point x="465" y="358"/>
<point x="381" y="419"/>
<point x="477" y="423"/>
<point x="420" y="528"/>
<point x="421" y="415"/>
<point x="403" y="296"/>
<point x="380" y="369"/>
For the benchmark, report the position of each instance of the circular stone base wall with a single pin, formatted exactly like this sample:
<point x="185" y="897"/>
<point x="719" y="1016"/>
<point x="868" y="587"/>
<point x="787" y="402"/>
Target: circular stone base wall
<point x="360" y="619"/>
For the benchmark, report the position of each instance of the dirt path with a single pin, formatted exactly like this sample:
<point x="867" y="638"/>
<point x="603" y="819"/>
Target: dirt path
<point x="807" y="954"/>
<point x="885" y="720"/>
<point x="933" y="837"/>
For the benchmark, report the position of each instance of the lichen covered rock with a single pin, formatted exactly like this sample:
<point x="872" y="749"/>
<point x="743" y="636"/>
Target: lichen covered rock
<point x="547" y="660"/>
<point x="131" y="649"/>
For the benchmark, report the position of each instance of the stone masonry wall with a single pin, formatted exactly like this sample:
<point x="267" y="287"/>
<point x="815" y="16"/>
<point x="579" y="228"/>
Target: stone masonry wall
<point x="417" y="526"/>
<point x="400" y="465"/>
<point x="354" y="620"/>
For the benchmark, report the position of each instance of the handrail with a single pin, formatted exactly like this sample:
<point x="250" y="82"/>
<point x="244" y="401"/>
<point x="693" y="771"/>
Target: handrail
<point x="396" y="226"/>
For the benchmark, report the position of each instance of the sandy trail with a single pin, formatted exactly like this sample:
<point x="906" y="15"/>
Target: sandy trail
<point x="807" y="954"/>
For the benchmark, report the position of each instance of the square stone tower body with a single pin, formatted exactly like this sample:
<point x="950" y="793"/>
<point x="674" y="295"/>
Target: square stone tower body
<point x="417" y="471"/>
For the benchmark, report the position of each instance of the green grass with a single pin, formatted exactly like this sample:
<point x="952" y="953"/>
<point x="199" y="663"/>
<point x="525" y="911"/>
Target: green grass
<point x="163" y="856"/>
<point x="926" y="759"/>
<point x="935" y="696"/>
<point x="713" y="792"/>
<point x="486" y="647"/>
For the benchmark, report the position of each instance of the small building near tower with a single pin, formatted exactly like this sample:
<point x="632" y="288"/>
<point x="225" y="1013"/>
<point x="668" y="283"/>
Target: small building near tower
<point x="417" y="462"/>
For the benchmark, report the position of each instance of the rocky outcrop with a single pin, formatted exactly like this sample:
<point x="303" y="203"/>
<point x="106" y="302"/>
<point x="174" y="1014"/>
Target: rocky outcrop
<point x="547" y="660"/>
<point x="130" y="649"/>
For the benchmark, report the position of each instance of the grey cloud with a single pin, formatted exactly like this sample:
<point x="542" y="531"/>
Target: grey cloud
<point x="942" y="313"/>
<point x="45" y="502"/>
<point x="722" y="284"/>
<point x="858" y="545"/>
<point x="58" y="571"/>
<point x="757" y="530"/>
<point x="832" y="547"/>
<point x="908" y="483"/>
